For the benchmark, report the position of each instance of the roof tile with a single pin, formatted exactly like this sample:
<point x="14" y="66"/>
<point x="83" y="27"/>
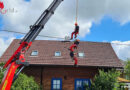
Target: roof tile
<point x="96" y="53"/>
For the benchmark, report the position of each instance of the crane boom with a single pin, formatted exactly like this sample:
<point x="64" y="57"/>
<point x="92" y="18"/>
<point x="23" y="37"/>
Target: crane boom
<point x="17" y="60"/>
<point x="39" y="24"/>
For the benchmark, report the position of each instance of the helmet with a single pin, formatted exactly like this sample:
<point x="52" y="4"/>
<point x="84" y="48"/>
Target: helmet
<point x="76" y="24"/>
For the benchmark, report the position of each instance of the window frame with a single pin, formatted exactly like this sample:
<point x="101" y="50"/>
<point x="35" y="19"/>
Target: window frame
<point x="77" y="79"/>
<point x="34" y="51"/>
<point x="53" y="84"/>
<point x="81" y="56"/>
<point x="57" y="52"/>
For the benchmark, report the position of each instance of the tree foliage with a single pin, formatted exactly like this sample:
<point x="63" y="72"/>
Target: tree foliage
<point x="23" y="82"/>
<point x="127" y="69"/>
<point x="1" y="71"/>
<point x="105" y="80"/>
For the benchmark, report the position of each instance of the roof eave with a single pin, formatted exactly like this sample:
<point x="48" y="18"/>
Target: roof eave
<point x="74" y="66"/>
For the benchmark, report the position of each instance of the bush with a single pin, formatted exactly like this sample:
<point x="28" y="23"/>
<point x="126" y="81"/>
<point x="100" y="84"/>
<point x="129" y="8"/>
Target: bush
<point x="105" y="80"/>
<point x="1" y="71"/>
<point x="127" y="69"/>
<point x="23" y="82"/>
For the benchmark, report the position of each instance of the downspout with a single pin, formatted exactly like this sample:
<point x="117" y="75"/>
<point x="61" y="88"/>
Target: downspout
<point x="41" y="82"/>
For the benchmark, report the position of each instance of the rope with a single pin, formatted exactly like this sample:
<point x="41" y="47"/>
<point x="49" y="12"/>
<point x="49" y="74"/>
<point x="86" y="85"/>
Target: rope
<point x="77" y="10"/>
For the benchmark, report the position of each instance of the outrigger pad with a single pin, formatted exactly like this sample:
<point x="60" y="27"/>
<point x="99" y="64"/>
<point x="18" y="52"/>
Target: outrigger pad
<point x="23" y="63"/>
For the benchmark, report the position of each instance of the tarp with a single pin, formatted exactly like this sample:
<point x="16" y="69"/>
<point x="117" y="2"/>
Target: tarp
<point x="123" y="80"/>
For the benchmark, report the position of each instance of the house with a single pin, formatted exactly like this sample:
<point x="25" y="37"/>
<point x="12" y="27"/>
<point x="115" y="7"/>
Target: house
<point x="53" y="68"/>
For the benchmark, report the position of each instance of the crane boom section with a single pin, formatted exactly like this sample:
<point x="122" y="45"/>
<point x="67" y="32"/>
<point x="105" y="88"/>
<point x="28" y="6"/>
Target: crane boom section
<point x="39" y="24"/>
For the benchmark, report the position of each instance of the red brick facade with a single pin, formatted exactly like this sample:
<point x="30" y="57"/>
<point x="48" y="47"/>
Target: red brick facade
<point x="44" y="75"/>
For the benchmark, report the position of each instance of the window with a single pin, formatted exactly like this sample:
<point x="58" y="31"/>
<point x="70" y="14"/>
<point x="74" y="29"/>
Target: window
<point x="81" y="54"/>
<point x="34" y="53"/>
<point x="57" y="53"/>
<point x="56" y="84"/>
<point x="81" y="84"/>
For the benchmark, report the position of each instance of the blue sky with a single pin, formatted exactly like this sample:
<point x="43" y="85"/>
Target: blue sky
<point x="108" y="30"/>
<point x="1" y="22"/>
<point x="27" y="0"/>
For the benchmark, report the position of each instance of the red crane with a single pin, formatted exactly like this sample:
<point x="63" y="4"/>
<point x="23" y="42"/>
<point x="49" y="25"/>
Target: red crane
<point x="17" y="60"/>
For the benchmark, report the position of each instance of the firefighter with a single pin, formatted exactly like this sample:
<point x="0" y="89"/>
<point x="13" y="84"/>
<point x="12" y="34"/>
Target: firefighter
<point x="72" y="54"/>
<point x="76" y="31"/>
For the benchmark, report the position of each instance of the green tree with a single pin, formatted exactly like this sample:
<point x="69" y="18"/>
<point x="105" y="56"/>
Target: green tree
<point x="23" y="82"/>
<point x="1" y="71"/>
<point x="105" y="80"/>
<point x="127" y="69"/>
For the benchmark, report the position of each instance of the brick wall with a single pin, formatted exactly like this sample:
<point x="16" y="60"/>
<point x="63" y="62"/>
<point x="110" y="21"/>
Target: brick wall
<point x="34" y="71"/>
<point x="68" y="75"/>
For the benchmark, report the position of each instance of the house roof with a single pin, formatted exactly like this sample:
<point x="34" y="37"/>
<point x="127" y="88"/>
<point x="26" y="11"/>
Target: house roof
<point x="96" y="53"/>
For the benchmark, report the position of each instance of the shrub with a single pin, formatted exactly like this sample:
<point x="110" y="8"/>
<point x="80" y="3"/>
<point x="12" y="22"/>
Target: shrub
<point x="105" y="80"/>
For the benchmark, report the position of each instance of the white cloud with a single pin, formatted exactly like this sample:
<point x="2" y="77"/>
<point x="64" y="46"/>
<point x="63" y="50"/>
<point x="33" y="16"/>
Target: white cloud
<point x="28" y="12"/>
<point x="119" y="10"/>
<point x="4" y="44"/>
<point x="122" y="49"/>
<point x="5" y="40"/>
<point x="62" y="23"/>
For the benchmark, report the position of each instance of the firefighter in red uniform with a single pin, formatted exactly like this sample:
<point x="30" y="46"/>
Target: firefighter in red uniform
<point x="72" y="54"/>
<point x="76" y="31"/>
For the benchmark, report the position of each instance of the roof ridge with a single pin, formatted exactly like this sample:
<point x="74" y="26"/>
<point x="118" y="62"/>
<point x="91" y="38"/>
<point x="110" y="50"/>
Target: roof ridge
<point x="69" y="41"/>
